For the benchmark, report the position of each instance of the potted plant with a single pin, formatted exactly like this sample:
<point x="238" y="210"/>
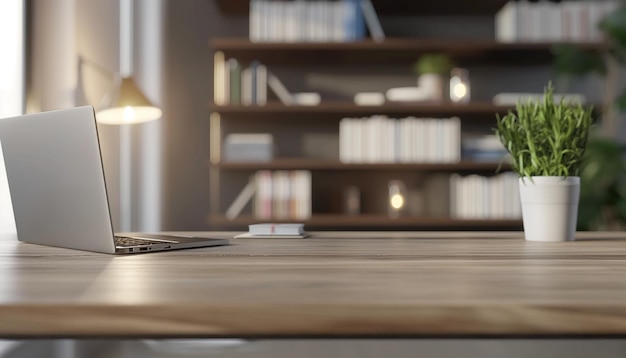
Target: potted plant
<point x="547" y="141"/>
<point x="433" y="71"/>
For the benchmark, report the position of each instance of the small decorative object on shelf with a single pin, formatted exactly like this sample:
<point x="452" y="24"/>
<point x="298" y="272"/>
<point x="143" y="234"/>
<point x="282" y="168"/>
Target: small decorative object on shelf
<point x="547" y="141"/>
<point x="432" y="70"/>
<point x="352" y="200"/>
<point x="459" y="85"/>
<point x="249" y="147"/>
<point x="369" y="99"/>
<point x="397" y="198"/>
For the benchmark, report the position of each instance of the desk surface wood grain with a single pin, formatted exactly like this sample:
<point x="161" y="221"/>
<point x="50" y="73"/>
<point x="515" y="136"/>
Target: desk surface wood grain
<point x="370" y="284"/>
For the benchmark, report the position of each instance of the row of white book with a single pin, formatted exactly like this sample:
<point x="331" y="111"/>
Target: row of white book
<point x="546" y="21"/>
<point x="379" y="139"/>
<point x="479" y="197"/>
<point x="282" y="194"/>
<point x="308" y="21"/>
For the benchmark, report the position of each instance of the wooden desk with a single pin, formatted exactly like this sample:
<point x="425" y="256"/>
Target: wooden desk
<point x="330" y="285"/>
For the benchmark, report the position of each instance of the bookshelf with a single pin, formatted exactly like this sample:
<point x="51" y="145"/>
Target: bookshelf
<point x="289" y="124"/>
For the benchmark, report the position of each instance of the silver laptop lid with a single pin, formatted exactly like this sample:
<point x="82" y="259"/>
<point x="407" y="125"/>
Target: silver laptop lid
<point x="56" y="179"/>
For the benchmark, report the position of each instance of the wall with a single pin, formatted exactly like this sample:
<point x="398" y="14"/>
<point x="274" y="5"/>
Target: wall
<point x="188" y="89"/>
<point x="61" y="31"/>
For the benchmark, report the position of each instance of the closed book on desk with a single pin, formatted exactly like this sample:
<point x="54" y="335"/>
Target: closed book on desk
<point x="276" y="229"/>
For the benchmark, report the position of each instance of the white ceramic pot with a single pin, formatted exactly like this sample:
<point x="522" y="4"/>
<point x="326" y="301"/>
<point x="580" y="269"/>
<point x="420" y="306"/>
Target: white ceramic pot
<point x="433" y="85"/>
<point x="549" y="207"/>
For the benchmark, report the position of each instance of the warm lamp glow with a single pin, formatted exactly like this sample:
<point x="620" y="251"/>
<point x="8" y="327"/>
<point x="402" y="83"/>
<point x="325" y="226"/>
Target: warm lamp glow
<point x="128" y="115"/>
<point x="460" y="90"/>
<point x="459" y="85"/>
<point x="128" y="105"/>
<point x="397" y="198"/>
<point x="397" y="201"/>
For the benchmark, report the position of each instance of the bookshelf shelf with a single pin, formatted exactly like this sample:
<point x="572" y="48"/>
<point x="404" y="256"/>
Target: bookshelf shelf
<point x="397" y="7"/>
<point x="390" y="51"/>
<point x="374" y="221"/>
<point x="329" y="165"/>
<point x="334" y="109"/>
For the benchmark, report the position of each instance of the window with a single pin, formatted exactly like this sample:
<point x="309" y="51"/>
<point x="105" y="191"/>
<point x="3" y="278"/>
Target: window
<point x="12" y="90"/>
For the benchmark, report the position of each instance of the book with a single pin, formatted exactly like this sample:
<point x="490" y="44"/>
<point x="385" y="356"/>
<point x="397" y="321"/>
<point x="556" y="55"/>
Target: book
<point x="241" y="200"/>
<point x="234" y="69"/>
<point x="249" y="147"/>
<point x="279" y="89"/>
<point x="371" y="20"/>
<point x="260" y="84"/>
<point x="247" y="89"/>
<point x="219" y="85"/>
<point x="247" y="235"/>
<point x="276" y="229"/>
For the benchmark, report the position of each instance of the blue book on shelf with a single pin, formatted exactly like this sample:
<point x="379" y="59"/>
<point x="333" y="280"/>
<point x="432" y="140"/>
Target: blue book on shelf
<point x="354" y="25"/>
<point x="359" y="22"/>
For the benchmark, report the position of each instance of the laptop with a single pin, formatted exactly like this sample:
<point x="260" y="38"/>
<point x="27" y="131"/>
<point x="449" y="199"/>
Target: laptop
<point x="58" y="189"/>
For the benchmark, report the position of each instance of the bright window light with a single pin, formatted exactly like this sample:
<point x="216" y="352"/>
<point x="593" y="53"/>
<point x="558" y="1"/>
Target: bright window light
<point x="12" y="59"/>
<point x="11" y="88"/>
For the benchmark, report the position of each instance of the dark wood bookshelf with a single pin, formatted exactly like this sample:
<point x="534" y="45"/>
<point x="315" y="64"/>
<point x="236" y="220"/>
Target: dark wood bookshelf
<point x="390" y="51"/>
<point x="374" y="221"/>
<point x="330" y="165"/>
<point x="392" y="55"/>
<point x="396" y="7"/>
<point x="277" y="110"/>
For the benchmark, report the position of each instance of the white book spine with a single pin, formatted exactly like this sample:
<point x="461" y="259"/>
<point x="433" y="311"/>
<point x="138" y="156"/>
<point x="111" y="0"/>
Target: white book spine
<point x="280" y="202"/>
<point x="262" y="8"/>
<point x="255" y="21"/>
<point x="343" y="140"/>
<point x="429" y="134"/>
<point x="421" y="140"/>
<point x="304" y="194"/>
<point x="263" y="198"/>
<point x="246" y="86"/>
<point x="506" y="23"/>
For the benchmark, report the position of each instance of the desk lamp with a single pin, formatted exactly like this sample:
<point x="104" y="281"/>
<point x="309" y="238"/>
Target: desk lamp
<point x="124" y="103"/>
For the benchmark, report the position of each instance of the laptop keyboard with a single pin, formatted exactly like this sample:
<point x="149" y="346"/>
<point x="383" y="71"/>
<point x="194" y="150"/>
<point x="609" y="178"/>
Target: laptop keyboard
<point x="131" y="241"/>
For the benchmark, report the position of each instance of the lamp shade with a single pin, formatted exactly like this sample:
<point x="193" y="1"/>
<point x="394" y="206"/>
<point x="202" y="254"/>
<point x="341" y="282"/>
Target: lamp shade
<point x="127" y="105"/>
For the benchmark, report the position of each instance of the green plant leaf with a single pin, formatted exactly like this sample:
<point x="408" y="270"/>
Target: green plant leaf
<point x="573" y="60"/>
<point x="620" y="101"/>
<point x="546" y="138"/>
<point x="589" y="211"/>
<point x="614" y="25"/>
<point x="437" y="63"/>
